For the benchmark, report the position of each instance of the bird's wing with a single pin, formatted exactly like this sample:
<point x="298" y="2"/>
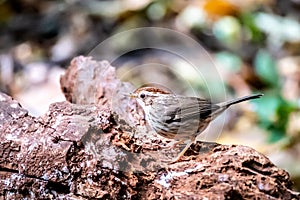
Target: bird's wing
<point x="184" y="108"/>
<point x="198" y="108"/>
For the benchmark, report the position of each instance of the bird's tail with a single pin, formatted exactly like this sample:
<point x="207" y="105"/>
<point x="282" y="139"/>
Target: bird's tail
<point x="239" y="100"/>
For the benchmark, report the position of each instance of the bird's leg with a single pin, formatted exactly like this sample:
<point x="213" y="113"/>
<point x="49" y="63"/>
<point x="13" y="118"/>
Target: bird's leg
<point x="184" y="150"/>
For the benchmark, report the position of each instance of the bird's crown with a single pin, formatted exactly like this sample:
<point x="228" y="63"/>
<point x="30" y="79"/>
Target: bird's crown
<point x="153" y="90"/>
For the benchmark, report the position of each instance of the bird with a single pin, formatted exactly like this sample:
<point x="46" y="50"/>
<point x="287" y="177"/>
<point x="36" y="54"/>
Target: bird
<point x="180" y="117"/>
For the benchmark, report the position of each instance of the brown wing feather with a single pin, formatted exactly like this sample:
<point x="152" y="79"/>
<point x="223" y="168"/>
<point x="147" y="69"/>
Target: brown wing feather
<point x="197" y="108"/>
<point x="181" y="108"/>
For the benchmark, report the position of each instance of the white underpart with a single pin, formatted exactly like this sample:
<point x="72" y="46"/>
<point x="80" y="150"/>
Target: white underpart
<point x="145" y="108"/>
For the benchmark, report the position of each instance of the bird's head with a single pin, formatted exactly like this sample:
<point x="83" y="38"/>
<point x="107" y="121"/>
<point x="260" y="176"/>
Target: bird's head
<point x="145" y="95"/>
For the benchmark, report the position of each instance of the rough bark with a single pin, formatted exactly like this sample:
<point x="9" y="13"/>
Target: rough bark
<point x="96" y="145"/>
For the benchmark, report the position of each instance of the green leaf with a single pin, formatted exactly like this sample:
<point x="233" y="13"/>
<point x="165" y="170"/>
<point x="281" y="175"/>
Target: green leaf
<point x="248" y="20"/>
<point x="266" y="108"/>
<point x="229" y="60"/>
<point x="265" y="68"/>
<point x="275" y="135"/>
<point x="228" y="31"/>
<point x="273" y="112"/>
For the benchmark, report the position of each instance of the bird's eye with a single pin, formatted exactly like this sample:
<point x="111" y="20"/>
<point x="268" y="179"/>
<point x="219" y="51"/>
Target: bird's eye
<point x="142" y="95"/>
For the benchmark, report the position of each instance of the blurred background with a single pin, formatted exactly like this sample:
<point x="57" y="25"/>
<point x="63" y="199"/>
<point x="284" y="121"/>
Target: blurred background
<point x="255" y="45"/>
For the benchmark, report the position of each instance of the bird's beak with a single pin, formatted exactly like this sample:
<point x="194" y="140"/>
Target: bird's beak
<point x="131" y="95"/>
